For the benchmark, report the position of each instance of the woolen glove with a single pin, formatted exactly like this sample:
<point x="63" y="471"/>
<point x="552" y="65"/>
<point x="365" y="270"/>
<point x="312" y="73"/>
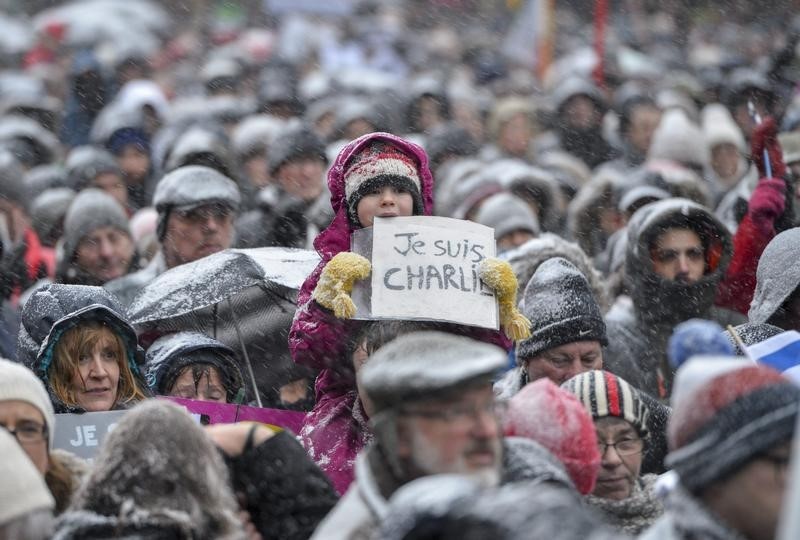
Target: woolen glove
<point x="765" y="137"/>
<point x="336" y="283"/>
<point x="499" y="276"/>
<point x="767" y="203"/>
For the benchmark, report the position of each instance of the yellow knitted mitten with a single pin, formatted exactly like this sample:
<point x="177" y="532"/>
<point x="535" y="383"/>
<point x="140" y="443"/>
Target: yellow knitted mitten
<point x="500" y="277"/>
<point x="337" y="280"/>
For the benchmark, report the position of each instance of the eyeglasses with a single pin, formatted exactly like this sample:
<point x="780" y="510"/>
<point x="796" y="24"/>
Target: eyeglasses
<point x="28" y="432"/>
<point x="201" y="214"/>
<point x="461" y="415"/>
<point x="624" y="447"/>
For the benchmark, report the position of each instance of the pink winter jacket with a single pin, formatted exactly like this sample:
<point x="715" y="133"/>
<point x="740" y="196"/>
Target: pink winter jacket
<point x="332" y="432"/>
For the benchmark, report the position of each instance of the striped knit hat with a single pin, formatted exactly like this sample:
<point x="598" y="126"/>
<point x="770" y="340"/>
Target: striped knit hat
<point x="378" y="164"/>
<point x="604" y="394"/>
<point x="718" y="426"/>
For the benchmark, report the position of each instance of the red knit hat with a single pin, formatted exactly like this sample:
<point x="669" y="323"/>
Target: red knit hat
<point x="728" y="420"/>
<point x="377" y="164"/>
<point x="554" y="418"/>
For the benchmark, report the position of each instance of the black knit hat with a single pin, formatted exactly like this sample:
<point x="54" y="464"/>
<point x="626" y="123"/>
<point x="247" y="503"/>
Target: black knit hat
<point x="559" y="303"/>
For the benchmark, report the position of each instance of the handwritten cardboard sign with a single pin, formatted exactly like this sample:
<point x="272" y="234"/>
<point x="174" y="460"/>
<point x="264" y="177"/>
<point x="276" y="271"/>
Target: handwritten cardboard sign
<point x="229" y="413"/>
<point x="426" y="268"/>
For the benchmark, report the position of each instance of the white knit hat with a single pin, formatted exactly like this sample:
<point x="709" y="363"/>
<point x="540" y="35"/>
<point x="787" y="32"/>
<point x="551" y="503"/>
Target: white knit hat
<point x="679" y="139"/>
<point x="23" y="489"/>
<point x="719" y="127"/>
<point x="20" y="384"/>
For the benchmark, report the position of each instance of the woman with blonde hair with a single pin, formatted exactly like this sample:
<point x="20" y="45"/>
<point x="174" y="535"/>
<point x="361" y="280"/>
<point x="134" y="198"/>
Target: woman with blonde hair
<point x="74" y="338"/>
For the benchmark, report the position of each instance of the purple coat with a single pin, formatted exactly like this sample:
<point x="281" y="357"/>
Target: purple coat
<point x="317" y="338"/>
<point x="333" y="433"/>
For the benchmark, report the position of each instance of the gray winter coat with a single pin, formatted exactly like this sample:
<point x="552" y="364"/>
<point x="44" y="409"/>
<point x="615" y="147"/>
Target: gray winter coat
<point x="687" y="519"/>
<point x="638" y="340"/>
<point x="777" y="276"/>
<point x="359" y="513"/>
<point x="127" y="287"/>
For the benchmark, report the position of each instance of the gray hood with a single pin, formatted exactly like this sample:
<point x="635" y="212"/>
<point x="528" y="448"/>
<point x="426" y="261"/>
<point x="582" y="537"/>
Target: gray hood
<point x="777" y="277"/>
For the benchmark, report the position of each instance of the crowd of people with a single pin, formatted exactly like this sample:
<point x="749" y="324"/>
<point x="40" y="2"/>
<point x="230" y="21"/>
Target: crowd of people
<point x="643" y="197"/>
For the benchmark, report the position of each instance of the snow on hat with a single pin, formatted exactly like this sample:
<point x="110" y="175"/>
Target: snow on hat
<point x="604" y="394"/>
<point x="19" y="383"/>
<point x="719" y="127"/>
<point x="561" y="307"/>
<point x="377" y="164"/>
<point x="750" y="333"/>
<point x="170" y="354"/>
<point x="790" y="144"/>
<point x="425" y="365"/>
<point x="189" y="187"/>
<point x="558" y="421"/>
<point x="48" y="210"/>
<point x="506" y="213"/>
<point x="720" y="425"/>
<point x="90" y="210"/>
<point x="23" y="489"/>
<point x="633" y="197"/>
<point x="678" y="139"/>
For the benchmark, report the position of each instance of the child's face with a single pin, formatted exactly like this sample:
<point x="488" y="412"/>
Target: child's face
<point x="384" y="201"/>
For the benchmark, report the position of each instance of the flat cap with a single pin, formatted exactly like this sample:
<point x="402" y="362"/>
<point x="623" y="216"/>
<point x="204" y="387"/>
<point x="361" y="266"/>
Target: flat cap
<point x="424" y="365"/>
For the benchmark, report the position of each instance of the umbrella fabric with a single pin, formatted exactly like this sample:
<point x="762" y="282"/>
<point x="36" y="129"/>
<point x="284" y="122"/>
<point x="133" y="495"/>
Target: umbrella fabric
<point x="254" y="288"/>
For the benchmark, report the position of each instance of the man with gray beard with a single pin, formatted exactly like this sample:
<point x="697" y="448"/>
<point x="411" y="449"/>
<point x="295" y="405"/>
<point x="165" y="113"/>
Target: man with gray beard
<point x="433" y="412"/>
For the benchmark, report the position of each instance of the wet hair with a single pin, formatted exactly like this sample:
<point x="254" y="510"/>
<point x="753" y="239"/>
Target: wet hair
<point x="80" y="340"/>
<point x="198" y="370"/>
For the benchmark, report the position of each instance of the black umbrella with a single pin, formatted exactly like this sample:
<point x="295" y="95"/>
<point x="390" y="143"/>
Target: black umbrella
<point x="243" y="298"/>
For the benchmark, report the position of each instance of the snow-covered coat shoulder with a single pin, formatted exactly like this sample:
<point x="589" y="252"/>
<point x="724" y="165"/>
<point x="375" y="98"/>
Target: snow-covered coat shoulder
<point x="317" y="338"/>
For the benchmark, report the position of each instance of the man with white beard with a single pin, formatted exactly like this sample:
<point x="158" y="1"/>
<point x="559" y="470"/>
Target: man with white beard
<point x="434" y="412"/>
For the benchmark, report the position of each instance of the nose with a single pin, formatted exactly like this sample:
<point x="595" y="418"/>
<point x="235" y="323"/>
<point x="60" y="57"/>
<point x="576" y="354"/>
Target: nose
<point x="211" y="223"/>
<point x="485" y="425"/>
<point x="571" y="370"/>
<point x="610" y="457"/>
<point x="106" y="249"/>
<point x="388" y="197"/>
<point x="683" y="263"/>
<point x="97" y="368"/>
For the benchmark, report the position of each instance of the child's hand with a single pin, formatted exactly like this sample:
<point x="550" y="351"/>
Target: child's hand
<point x="337" y="280"/>
<point x="500" y="277"/>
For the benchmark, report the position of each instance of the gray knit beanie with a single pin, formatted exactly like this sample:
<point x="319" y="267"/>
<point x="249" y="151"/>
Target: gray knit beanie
<point x="190" y="187"/>
<point x="562" y="309"/>
<point x="507" y="213"/>
<point x="90" y="210"/>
